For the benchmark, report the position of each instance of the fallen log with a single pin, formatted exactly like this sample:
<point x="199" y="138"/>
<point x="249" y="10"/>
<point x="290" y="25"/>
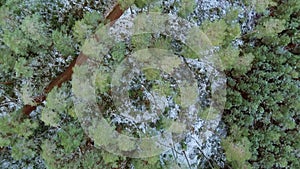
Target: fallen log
<point x="112" y="16"/>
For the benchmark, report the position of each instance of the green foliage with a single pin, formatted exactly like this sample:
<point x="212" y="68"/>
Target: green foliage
<point x="4" y="142"/>
<point x="245" y="63"/>
<point x="286" y="9"/>
<point x="6" y="61"/>
<point x="82" y="31"/>
<point x="102" y="81"/>
<point x="237" y="153"/>
<point x="163" y="88"/>
<point x="70" y="137"/>
<point x="48" y="154"/>
<point x="35" y="30"/>
<point x="162" y="43"/>
<point x="233" y="32"/>
<point x="187" y="7"/>
<point x="50" y="117"/>
<point x="103" y="134"/>
<point x="92" y="160"/>
<point x="143" y="3"/>
<point x="16" y="41"/>
<point x="127" y="145"/>
<point x="147" y="163"/>
<point x="262" y="5"/>
<point x="270" y="27"/>
<point x="22" y="69"/>
<point x="27" y="95"/>
<point x="125" y="3"/>
<point x="29" y="34"/>
<point x="141" y="41"/>
<point x="229" y="56"/>
<point x="10" y="128"/>
<point x="232" y="15"/>
<point x="138" y="3"/>
<point x="18" y="135"/>
<point x="215" y="31"/>
<point x="207" y="114"/>
<point x="230" y="59"/>
<point x="92" y="18"/>
<point x="88" y="159"/>
<point x="110" y="159"/>
<point x="259" y="101"/>
<point x="187" y="52"/>
<point x="58" y="99"/>
<point x="151" y="73"/>
<point x="23" y="149"/>
<point x="85" y="27"/>
<point x="58" y="102"/>
<point x="222" y="32"/>
<point x="118" y="52"/>
<point x="63" y="42"/>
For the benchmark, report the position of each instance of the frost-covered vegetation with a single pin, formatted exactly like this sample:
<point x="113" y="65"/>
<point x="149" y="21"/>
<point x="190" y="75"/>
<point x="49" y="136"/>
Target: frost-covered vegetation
<point x="257" y="43"/>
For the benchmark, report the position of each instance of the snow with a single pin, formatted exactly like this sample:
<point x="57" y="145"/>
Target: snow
<point x="200" y="134"/>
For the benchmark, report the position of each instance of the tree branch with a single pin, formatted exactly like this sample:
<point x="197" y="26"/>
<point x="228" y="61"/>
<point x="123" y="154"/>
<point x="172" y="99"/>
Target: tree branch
<point x="6" y="83"/>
